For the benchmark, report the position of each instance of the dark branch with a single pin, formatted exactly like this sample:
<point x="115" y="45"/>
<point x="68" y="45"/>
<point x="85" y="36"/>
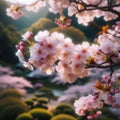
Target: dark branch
<point x="90" y="7"/>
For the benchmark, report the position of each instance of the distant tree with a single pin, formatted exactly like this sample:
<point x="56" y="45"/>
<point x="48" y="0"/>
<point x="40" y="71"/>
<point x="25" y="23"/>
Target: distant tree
<point x="8" y="39"/>
<point x="46" y="92"/>
<point x="42" y="24"/>
<point x="37" y="103"/>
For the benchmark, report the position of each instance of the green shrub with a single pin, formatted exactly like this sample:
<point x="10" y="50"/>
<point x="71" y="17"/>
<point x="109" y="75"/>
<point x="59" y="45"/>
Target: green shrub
<point x="42" y="24"/>
<point x="69" y="111"/>
<point x="10" y="101"/>
<point x="63" y="117"/>
<point x="10" y="112"/>
<point x="41" y="114"/>
<point x="33" y="98"/>
<point x="42" y="100"/>
<point x="37" y="103"/>
<point x="25" y="116"/>
<point x="11" y="104"/>
<point x="42" y="103"/>
<point x="64" y="108"/>
<point x="11" y="93"/>
<point x="46" y="93"/>
<point x="29" y="102"/>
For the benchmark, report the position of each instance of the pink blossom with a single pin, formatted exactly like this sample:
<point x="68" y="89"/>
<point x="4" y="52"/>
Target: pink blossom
<point x="41" y="36"/>
<point x="27" y="35"/>
<point x="7" y="81"/>
<point x="20" y="55"/>
<point x="28" y="65"/>
<point x="58" y="6"/>
<point x="36" y="6"/>
<point x="14" y="12"/>
<point x="87" y="103"/>
<point x="63" y="22"/>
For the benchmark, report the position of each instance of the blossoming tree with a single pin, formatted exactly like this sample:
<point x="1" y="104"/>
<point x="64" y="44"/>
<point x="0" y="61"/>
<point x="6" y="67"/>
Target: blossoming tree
<point x="52" y="52"/>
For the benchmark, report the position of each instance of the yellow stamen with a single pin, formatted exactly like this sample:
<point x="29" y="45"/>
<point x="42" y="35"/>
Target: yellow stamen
<point x="30" y="43"/>
<point x="104" y="29"/>
<point x="62" y="18"/>
<point x="15" y="8"/>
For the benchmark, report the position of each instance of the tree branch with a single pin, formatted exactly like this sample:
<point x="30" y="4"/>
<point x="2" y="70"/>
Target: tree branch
<point x="90" y="7"/>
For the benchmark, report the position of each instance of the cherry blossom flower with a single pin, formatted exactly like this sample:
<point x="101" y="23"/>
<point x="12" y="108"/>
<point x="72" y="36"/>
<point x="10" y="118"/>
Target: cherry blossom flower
<point x="116" y="29"/>
<point x="20" y="55"/>
<point x="14" y="12"/>
<point x="108" y="90"/>
<point x="28" y="35"/>
<point x="28" y="65"/>
<point x="41" y="36"/>
<point x="88" y="104"/>
<point x="63" y="22"/>
<point x="58" y="6"/>
<point x="74" y="8"/>
<point x="65" y="72"/>
<point x="36" y="6"/>
<point x="117" y="99"/>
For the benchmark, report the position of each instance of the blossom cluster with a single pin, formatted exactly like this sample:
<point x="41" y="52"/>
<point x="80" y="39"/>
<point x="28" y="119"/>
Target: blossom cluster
<point x="108" y="90"/>
<point x="55" y="52"/>
<point x="63" y="22"/>
<point x="88" y="105"/>
<point x="52" y="52"/>
<point x="63" y="53"/>
<point x="15" y="11"/>
<point x="84" y="10"/>
<point x="87" y="15"/>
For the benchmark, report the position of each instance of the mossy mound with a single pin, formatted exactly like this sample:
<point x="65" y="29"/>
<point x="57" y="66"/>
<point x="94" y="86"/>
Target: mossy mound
<point x="64" y="108"/>
<point x="46" y="93"/>
<point x="37" y="103"/>
<point x="63" y="117"/>
<point x="11" y="101"/>
<point x="11" y="104"/>
<point x="42" y="24"/>
<point x="41" y="114"/>
<point x="25" y="116"/>
<point x="11" y="112"/>
<point x="11" y="93"/>
<point x="43" y="100"/>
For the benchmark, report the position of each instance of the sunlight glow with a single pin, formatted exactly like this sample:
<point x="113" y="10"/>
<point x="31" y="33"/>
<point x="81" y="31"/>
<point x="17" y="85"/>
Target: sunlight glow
<point x="25" y="2"/>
